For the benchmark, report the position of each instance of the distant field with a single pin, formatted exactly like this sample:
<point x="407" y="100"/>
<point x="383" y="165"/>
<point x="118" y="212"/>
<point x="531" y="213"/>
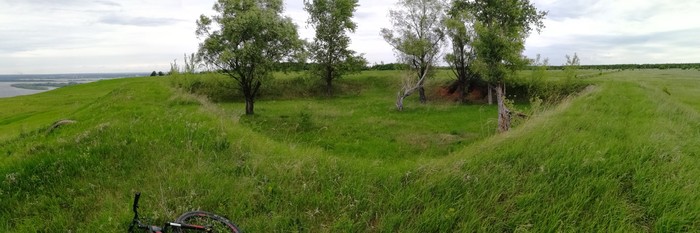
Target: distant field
<point x="621" y="156"/>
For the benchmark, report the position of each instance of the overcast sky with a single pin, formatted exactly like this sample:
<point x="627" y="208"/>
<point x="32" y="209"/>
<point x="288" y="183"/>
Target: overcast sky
<point x="81" y="36"/>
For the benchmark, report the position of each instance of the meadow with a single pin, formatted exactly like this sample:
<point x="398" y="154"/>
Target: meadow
<point x="620" y="155"/>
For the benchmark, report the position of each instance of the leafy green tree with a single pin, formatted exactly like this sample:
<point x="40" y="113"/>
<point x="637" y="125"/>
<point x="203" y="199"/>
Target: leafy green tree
<point x="154" y="73"/>
<point x="502" y="27"/>
<point x="245" y="39"/>
<point x="332" y="20"/>
<point x="459" y="25"/>
<point x="417" y="37"/>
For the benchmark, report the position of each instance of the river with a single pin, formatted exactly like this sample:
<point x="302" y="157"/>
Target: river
<point x="7" y="90"/>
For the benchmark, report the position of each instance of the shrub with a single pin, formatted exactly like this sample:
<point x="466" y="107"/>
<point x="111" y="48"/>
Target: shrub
<point x="548" y="91"/>
<point x="216" y="87"/>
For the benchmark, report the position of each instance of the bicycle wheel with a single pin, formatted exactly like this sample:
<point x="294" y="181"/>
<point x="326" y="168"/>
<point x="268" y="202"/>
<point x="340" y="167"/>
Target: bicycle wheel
<point x="203" y="218"/>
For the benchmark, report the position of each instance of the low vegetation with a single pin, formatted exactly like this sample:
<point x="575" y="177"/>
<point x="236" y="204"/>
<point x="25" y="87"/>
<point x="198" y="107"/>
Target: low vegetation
<point x="617" y="156"/>
<point x="41" y="86"/>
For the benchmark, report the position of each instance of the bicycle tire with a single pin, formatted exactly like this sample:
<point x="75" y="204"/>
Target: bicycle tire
<point x="218" y="223"/>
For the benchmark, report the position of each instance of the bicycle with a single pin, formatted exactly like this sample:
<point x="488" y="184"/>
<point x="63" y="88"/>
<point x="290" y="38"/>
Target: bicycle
<point x="192" y="221"/>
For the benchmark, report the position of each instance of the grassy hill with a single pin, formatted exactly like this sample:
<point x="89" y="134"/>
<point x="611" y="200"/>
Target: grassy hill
<point x="620" y="156"/>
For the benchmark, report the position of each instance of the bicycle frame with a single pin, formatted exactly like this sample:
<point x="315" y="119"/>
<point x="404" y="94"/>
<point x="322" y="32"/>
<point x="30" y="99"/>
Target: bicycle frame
<point x="136" y="223"/>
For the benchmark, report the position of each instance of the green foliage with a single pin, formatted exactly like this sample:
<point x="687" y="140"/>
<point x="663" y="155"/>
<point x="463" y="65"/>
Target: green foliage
<point x="174" y="68"/>
<point x="417" y="32"/>
<point x="305" y="123"/>
<point x="502" y="27"/>
<point x="572" y="66"/>
<point x="417" y="36"/>
<point x="389" y="66"/>
<point x="219" y="87"/>
<point x="539" y="72"/>
<point x="216" y="87"/>
<point x="348" y="125"/>
<point x="459" y="25"/>
<point x="547" y="91"/>
<point x="245" y="39"/>
<point x="191" y="63"/>
<point x="332" y="20"/>
<point x="542" y="87"/>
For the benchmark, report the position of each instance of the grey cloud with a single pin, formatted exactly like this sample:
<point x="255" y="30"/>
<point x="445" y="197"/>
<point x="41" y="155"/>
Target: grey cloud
<point x="574" y="9"/>
<point x="15" y="44"/>
<point x="44" y="3"/>
<point x="62" y="2"/>
<point x="656" y="47"/>
<point x="560" y="10"/>
<point x="20" y="38"/>
<point x="138" y="21"/>
<point x="676" y="38"/>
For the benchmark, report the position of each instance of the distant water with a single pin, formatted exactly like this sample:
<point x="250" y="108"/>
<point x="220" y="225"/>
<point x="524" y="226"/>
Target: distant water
<point x="7" y="90"/>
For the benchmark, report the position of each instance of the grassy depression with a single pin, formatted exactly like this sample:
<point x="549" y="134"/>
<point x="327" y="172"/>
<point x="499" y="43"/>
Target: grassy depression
<point x="620" y="156"/>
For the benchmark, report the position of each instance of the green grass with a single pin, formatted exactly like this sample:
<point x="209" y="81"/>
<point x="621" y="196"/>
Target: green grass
<point x="365" y="124"/>
<point x="621" y="156"/>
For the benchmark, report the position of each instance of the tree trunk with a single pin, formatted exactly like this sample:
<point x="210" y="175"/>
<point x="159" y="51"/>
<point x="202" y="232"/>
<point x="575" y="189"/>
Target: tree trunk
<point x="399" y="102"/>
<point x="503" y="111"/>
<point x="329" y="87"/>
<point x="490" y="94"/>
<point x="421" y="91"/>
<point x="249" y="106"/>
<point x="329" y="81"/>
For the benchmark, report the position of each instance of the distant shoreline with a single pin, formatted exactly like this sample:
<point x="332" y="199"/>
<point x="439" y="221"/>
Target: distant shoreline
<point x="42" y="86"/>
<point x="67" y="77"/>
<point x="7" y="90"/>
<point x="29" y="84"/>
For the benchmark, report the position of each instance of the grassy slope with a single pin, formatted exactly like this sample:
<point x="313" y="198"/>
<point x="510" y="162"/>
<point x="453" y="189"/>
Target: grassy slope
<point x="622" y="157"/>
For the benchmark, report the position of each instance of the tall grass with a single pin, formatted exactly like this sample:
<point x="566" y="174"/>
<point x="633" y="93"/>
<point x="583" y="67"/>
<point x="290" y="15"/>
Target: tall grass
<point x="619" y="157"/>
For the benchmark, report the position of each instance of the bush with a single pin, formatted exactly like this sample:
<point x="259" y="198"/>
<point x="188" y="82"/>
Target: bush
<point x="220" y="87"/>
<point x="548" y="91"/>
<point x="216" y="87"/>
<point x="293" y="84"/>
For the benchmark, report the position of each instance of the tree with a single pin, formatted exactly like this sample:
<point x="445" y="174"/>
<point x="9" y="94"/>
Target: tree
<point x="174" y="68"/>
<point x="502" y="27"/>
<point x="245" y="39"/>
<point x="459" y="25"/>
<point x="154" y="73"/>
<point x="537" y="78"/>
<point x="329" y="50"/>
<point x="571" y="67"/>
<point x="191" y="64"/>
<point x="417" y="38"/>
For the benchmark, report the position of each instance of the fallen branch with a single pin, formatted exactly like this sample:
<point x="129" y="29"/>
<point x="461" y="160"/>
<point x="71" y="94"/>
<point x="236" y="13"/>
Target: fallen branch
<point x="408" y="89"/>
